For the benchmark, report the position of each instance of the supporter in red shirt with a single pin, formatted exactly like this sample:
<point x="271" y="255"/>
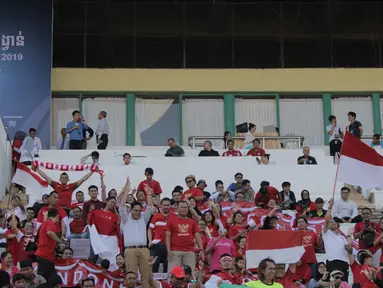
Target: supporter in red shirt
<point x="46" y="245"/>
<point x="283" y="276"/>
<point x="256" y="151"/>
<point x="226" y="273"/>
<point x="305" y="205"/>
<point x="231" y="151"/>
<point x="265" y="193"/>
<point x="193" y="191"/>
<point x="153" y="184"/>
<point x="211" y="224"/>
<point x="310" y="241"/>
<point x="77" y="225"/>
<point x="356" y="268"/>
<point x="12" y="242"/>
<point x="23" y="237"/>
<point x="141" y="197"/>
<point x="157" y="236"/>
<point x="241" y="251"/>
<point x="180" y="234"/>
<point x="302" y="273"/>
<point x="105" y="220"/>
<point x="204" y="237"/>
<point x="79" y="199"/>
<point x="62" y="218"/>
<point x="239" y="228"/>
<point x="7" y="264"/>
<point x="62" y="187"/>
<point x="93" y="203"/>
<point x="121" y="270"/>
<point x="366" y="231"/>
<point x="368" y="273"/>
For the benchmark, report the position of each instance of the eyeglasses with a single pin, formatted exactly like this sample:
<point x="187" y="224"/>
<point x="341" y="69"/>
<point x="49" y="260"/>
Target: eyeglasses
<point x="337" y="277"/>
<point x="188" y="181"/>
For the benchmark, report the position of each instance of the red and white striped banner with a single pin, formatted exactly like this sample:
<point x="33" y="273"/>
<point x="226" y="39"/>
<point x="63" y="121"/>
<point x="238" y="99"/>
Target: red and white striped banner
<point x="63" y="167"/>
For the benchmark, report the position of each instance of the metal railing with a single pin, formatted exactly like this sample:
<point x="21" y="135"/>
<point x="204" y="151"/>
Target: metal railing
<point x="193" y="139"/>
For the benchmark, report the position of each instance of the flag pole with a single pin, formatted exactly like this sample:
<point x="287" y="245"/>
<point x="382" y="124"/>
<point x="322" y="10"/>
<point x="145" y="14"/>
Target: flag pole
<point x="337" y="167"/>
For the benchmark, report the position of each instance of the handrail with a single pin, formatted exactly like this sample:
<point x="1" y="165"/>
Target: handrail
<point x="192" y="139"/>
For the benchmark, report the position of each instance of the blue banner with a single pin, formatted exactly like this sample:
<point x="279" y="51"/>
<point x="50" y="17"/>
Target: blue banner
<point x="25" y="66"/>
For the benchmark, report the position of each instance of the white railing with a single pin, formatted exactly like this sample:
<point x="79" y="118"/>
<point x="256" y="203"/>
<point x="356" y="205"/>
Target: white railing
<point x="5" y="160"/>
<point x="197" y="141"/>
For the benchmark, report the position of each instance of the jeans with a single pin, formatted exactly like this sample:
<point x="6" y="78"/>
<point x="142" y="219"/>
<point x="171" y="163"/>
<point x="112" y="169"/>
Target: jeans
<point x="159" y="251"/>
<point x="75" y="144"/>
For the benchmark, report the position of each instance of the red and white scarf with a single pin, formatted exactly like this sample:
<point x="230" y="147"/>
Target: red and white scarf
<point x="61" y="167"/>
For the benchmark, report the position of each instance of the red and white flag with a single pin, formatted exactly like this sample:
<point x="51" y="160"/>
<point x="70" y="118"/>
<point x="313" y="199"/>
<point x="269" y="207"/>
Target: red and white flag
<point x="360" y="164"/>
<point x="29" y="179"/>
<point x="281" y="246"/>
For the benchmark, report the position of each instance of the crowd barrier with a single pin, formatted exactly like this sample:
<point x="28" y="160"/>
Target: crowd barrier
<point x="171" y="171"/>
<point x="5" y="160"/>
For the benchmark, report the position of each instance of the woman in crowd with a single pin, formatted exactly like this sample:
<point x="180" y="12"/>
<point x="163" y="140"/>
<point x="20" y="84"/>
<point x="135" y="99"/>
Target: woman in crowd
<point x="241" y="251"/>
<point x="250" y="137"/>
<point x="239" y="227"/>
<point x="226" y="137"/>
<point x="209" y="219"/>
<point x="120" y="262"/>
<point x="7" y="264"/>
<point x="305" y="205"/>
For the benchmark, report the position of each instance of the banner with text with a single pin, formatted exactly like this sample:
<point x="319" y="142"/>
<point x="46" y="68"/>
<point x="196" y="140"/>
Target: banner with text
<point x="25" y="66"/>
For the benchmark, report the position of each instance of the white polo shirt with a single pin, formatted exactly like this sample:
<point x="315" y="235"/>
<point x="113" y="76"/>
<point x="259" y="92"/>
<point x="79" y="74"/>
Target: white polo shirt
<point x="334" y="245"/>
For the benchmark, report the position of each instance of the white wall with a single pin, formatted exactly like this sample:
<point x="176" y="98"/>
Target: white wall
<point x="5" y="160"/>
<point x="318" y="179"/>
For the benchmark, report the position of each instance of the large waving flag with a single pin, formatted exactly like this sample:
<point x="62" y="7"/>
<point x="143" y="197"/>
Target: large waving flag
<point x="360" y="164"/>
<point x="32" y="181"/>
<point x="281" y="246"/>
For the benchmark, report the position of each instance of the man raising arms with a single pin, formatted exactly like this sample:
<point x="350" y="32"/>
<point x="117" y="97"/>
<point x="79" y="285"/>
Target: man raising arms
<point x="62" y="187"/>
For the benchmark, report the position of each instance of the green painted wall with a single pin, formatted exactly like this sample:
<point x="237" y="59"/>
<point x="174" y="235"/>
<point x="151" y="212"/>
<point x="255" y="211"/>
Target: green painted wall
<point x="130" y="119"/>
<point x="376" y="113"/>
<point x="327" y="111"/>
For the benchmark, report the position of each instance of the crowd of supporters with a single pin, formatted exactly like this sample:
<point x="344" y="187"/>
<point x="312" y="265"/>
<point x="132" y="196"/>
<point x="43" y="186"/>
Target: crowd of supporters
<point x="195" y="236"/>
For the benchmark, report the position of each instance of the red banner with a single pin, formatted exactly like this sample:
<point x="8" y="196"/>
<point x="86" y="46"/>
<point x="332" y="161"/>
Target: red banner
<point x="73" y="271"/>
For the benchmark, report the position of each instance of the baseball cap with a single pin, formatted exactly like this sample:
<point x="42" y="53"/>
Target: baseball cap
<point x="201" y="182"/>
<point x="45" y="196"/>
<point x="336" y="272"/>
<point x="178" y="272"/>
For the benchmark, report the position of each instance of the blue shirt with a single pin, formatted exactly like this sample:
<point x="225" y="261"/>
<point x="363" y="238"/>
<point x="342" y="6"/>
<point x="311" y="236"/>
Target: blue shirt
<point x="77" y="134"/>
<point x="380" y="144"/>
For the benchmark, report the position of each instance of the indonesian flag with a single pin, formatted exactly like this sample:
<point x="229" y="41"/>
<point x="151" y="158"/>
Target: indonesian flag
<point x="32" y="181"/>
<point x="281" y="246"/>
<point x="360" y="164"/>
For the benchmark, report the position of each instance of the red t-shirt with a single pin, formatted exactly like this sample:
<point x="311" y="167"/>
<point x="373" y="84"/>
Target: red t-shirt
<point x="213" y="230"/>
<point x="359" y="227"/>
<point x="356" y="270"/>
<point x="258" y="152"/>
<point x="232" y="153"/>
<point x="287" y="280"/>
<point x="234" y="230"/>
<point x="309" y="241"/>
<point x="193" y="192"/>
<point x="158" y="227"/>
<point x="77" y="226"/>
<point x="303" y="272"/>
<point x="45" y="245"/>
<point x="105" y="221"/>
<point x="205" y="240"/>
<point x="13" y="245"/>
<point x="182" y="233"/>
<point x="272" y="193"/>
<point x="364" y="282"/>
<point x="62" y="214"/>
<point x="23" y="242"/>
<point x="154" y="185"/>
<point x="65" y="192"/>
